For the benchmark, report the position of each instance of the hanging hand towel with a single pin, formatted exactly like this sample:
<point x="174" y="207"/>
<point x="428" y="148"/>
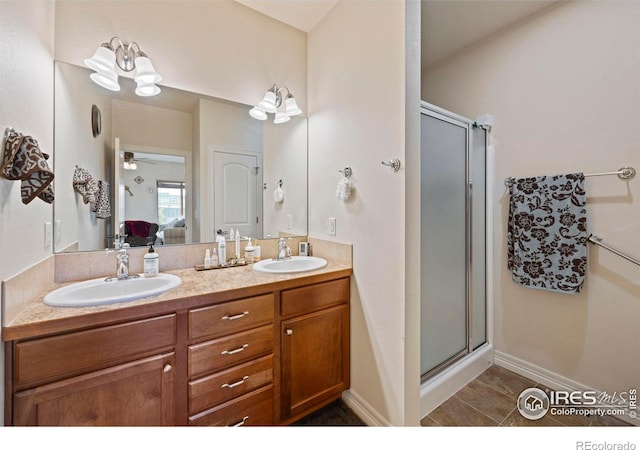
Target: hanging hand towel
<point x="278" y="195"/>
<point x="343" y="190"/>
<point x="23" y="160"/>
<point x="102" y="205"/>
<point x="547" y="232"/>
<point x="85" y="185"/>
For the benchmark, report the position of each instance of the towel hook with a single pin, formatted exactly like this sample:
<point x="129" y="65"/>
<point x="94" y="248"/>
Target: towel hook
<point x="7" y="131"/>
<point x="279" y="183"/>
<point x="347" y="172"/>
<point x="392" y="164"/>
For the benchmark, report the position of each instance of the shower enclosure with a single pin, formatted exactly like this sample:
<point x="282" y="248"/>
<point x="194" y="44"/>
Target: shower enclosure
<point x="453" y="236"/>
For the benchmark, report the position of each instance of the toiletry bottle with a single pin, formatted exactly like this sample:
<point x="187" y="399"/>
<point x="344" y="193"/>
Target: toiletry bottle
<point x="207" y="259"/>
<point x="249" y="252"/>
<point x="232" y="236"/>
<point x="238" y="256"/>
<point x="222" y="250"/>
<point x="256" y="253"/>
<point x="214" y="259"/>
<point x="151" y="263"/>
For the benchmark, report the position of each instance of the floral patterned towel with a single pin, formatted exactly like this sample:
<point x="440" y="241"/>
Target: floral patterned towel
<point x="547" y="232"/>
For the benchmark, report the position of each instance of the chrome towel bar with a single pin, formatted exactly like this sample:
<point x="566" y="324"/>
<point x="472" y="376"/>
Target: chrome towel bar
<point x="624" y="173"/>
<point x="598" y="241"/>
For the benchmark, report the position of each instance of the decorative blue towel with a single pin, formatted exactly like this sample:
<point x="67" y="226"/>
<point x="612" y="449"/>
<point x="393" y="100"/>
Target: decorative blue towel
<point x="547" y="232"/>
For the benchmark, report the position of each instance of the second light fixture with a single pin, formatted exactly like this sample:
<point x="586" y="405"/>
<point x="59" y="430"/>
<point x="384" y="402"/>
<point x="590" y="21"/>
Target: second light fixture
<point x="271" y="103"/>
<point x="126" y="57"/>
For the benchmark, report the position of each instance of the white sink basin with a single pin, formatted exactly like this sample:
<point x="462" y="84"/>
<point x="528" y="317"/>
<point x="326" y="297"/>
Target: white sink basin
<point x="101" y="292"/>
<point x="290" y="265"/>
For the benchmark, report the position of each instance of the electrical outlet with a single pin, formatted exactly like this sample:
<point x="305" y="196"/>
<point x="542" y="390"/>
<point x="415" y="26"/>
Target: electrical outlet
<point x="332" y="226"/>
<point x="48" y="234"/>
<point x="289" y="221"/>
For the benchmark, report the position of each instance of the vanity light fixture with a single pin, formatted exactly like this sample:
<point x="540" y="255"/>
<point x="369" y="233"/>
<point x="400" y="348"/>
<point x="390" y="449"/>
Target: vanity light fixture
<point x="127" y="57"/>
<point x="271" y="103"/>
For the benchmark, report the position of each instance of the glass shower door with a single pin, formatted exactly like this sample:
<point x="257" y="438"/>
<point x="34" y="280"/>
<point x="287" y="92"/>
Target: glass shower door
<point x="444" y="238"/>
<point x="453" y="239"/>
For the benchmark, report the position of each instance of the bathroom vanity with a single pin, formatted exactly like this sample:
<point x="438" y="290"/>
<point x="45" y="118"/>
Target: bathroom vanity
<point x="228" y="348"/>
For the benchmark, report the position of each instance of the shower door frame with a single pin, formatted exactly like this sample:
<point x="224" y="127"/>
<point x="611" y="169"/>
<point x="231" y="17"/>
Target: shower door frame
<point x="455" y="119"/>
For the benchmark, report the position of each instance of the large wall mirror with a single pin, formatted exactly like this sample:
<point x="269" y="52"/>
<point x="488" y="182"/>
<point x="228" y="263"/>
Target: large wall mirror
<point x="170" y="169"/>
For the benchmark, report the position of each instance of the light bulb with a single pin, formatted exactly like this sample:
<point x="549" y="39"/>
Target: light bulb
<point x="145" y="73"/>
<point x="281" y="118"/>
<point x="147" y="89"/>
<point x="258" y="113"/>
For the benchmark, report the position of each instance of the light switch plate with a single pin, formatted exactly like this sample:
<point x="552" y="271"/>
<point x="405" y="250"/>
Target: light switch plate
<point x="48" y="234"/>
<point x="332" y="226"/>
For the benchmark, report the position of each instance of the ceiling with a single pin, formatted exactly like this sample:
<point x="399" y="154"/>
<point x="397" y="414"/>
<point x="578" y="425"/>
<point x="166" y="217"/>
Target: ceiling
<point x="300" y="14"/>
<point x="451" y="25"/>
<point x="447" y="25"/>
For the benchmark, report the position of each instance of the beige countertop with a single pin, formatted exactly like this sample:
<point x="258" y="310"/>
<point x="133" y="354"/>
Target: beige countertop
<point x="198" y="287"/>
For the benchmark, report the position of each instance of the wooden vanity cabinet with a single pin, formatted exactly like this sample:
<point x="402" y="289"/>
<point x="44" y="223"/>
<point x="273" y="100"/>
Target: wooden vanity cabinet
<point x="230" y="363"/>
<point x="116" y="375"/>
<point x="314" y="337"/>
<point x="265" y="359"/>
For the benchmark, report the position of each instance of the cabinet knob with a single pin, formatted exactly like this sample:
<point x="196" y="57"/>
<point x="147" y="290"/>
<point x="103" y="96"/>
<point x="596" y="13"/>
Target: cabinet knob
<point x="167" y="368"/>
<point x="289" y="331"/>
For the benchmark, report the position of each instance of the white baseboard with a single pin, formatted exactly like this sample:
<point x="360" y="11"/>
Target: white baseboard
<point x="444" y="385"/>
<point x="363" y="410"/>
<point x="546" y="377"/>
<point x="434" y="392"/>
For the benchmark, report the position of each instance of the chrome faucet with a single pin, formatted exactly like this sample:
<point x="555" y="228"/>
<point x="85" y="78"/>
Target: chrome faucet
<point x="122" y="264"/>
<point x="122" y="271"/>
<point x="284" y="251"/>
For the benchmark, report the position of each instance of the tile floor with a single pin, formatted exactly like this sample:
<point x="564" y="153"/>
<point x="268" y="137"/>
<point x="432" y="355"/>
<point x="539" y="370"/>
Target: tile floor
<point x="490" y="400"/>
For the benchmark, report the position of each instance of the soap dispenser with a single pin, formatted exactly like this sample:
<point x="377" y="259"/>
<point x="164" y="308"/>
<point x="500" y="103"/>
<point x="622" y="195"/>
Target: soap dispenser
<point x="151" y="263"/>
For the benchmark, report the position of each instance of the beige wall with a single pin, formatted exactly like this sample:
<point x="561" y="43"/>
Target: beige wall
<point x="219" y="48"/>
<point x="356" y="119"/>
<point x="564" y="87"/>
<point x="26" y="96"/>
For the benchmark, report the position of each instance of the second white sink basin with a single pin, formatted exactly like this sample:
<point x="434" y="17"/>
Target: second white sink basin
<point x="102" y="292"/>
<point x="290" y="265"/>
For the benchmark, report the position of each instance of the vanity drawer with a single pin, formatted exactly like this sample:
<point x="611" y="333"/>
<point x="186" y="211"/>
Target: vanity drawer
<point x="61" y="356"/>
<point x="230" y="317"/>
<point x="231" y="383"/>
<point x="229" y="350"/>
<point x="255" y="408"/>
<point x="303" y="300"/>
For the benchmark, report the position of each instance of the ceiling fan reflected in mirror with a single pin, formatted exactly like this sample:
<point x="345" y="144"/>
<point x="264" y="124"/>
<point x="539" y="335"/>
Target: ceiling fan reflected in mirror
<point x="130" y="161"/>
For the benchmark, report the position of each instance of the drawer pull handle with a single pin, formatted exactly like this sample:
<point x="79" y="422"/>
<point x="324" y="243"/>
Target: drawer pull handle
<point x="237" y="383"/>
<point x="167" y="368"/>
<point x="242" y="422"/>
<point x="237" y="350"/>
<point x="237" y="316"/>
<point x="289" y="331"/>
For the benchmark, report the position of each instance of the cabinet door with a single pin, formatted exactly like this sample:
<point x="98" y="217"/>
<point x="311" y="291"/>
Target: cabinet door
<point x="136" y="393"/>
<point x="315" y="359"/>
